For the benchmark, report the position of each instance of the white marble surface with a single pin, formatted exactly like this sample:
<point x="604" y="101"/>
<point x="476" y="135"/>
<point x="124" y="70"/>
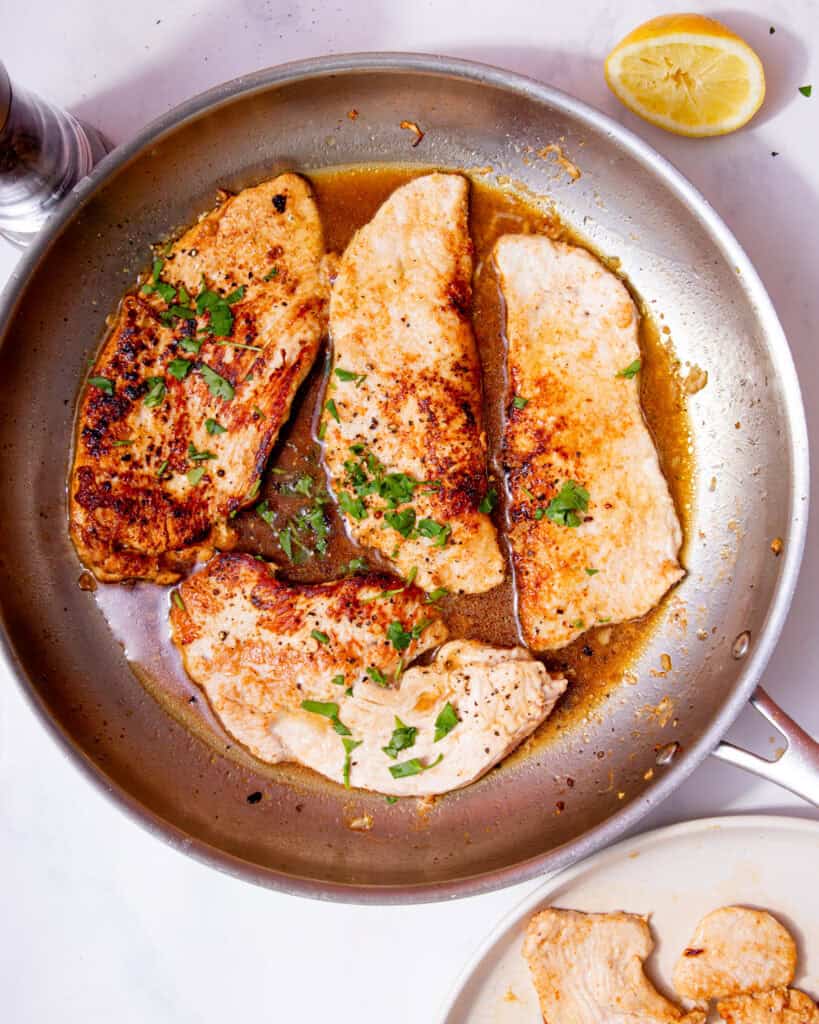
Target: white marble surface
<point x="100" y="922"/>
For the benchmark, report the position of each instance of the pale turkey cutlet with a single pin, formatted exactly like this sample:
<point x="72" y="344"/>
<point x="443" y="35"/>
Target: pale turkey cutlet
<point x="188" y="394"/>
<point x="316" y="674"/>
<point x="588" y="969"/>
<point x="593" y="530"/>
<point x="403" y="435"/>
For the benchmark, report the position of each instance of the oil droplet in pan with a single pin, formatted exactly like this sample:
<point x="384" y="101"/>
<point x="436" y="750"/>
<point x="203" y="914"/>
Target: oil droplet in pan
<point x="741" y="645"/>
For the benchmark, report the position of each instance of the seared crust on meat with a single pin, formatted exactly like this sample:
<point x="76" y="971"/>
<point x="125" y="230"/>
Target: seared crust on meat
<point x="779" y="1006"/>
<point x="588" y="969"/>
<point x="735" y="950"/>
<point x="134" y="511"/>
<point x="409" y="392"/>
<point x="574" y="421"/>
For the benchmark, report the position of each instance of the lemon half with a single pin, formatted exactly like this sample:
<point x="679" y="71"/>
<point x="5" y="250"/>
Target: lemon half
<point x="688" y="74"/>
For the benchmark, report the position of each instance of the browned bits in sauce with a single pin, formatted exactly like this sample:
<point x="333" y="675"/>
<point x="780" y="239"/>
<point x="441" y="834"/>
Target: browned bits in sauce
<point x="348" y="198"/>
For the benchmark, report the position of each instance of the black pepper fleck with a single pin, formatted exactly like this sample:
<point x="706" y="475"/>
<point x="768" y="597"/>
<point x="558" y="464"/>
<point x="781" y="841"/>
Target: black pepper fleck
<point x="279" y="203"/>
<point x="254" y="798"/>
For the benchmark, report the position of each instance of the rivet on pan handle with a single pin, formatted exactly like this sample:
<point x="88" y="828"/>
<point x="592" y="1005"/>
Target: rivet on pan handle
<point x="796" y="768"/>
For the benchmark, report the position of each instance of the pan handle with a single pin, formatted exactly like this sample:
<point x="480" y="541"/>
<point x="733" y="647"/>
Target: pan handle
<point x="796" y="768"/>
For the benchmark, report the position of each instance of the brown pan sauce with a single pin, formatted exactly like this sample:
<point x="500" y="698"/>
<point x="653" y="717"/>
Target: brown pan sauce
<point x="595" y="662"/>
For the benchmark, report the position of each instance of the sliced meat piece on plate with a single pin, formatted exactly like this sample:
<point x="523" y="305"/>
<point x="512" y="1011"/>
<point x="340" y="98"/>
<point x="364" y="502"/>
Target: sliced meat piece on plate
<point x="588" y="969"/>
<point x="404" y="439"/>
<point x="735" y="950"/>
<point x="779" y="1006"/>
<point x="315" y="674"/>
<point x="188" y="394"/>
<point x="594" y="533"/>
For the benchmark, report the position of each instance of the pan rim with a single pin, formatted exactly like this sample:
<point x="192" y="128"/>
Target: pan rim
<point x="614" y="826"/>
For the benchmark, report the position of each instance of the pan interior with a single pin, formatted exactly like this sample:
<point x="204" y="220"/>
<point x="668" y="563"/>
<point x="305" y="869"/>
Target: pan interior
<point x="299" y="835"/>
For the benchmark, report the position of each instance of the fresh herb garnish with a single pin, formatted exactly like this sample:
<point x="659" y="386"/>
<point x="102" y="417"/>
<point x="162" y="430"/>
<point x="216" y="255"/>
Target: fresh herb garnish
<point x="348" y="375"/>
<point x="402" y="521"/>
<point x="592" y="572"/>
<point x="264" y="512"/>
<point x="540" y="513"/>
<point x="489" y="501"/>
<point x="631" y="370"/>
<point x="355" y="565"/>
<point x="806" y="90"/>
<point x="578" y="624"/>
<point x="376" y="675"/>
<point x="439" y="532"/>
<point x="446" y="721"/>
<point x="327" y="709"/>
<point x="338" y="680"/>
<point x="235" y="296"/>
<point x="254" y="489"/>
<point x="520" y="402"/>
<point x="409" y="579"/>
<point x="176" y="597"/>
<point x="105" y="386"/>
<point x="213" y="427"/>
<point x="349" y="747"/>
<point x="286" y="542"/>
<point x="218" y="308"/>
<point x="391" y="799"/>
<point x="161" y="471"/>
<point x="195" y="475"/>
<point x="570" y="499"/>
<point x="319" y="637"/>
<point x="436" y="595"/>
<point x="401" y="638"/>
<point x="412" y="767"/>
<point x="330" y="406"/>
<point x="402" y="738"/>
<point x="190" y="345"/>
<point x="273" y="272"/>
<point x="197" y="456"/>
<point x="218" y="386"/>
<point x="155" y="394"/>
<point x="122" y="443"/>
<point x="352" y="506"/>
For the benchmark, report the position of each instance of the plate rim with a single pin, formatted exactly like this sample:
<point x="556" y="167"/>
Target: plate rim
<point x="600" y="859"/>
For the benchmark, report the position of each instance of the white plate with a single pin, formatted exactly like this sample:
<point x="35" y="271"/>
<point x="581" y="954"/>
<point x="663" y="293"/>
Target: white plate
<point x="676" y="875"/>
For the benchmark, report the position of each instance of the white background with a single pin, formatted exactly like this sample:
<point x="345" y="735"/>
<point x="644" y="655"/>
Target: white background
<point x="99" y="921"/>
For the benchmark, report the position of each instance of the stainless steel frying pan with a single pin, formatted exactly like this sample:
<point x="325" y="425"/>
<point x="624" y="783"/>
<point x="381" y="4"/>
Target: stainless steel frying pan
<point x="751" y="485"/>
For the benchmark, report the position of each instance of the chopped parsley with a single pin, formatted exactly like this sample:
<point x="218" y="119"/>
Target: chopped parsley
<point x="176" y="597"/>
<point x="273" y="272"/>
<point x="348" y="375"/>
<point x="439" y="532"/>
<point x="353" y="506"/>
<point x="330" y="406"/>
<point x="564" y="507"/>
<point x="327" y="709"/>
<point x="349" y="747"/>
<point x="218" y="386"/>
<point x="402" y="521"/>
<point x="338" y="680"/>
<point x="520" y="402"/>
<point x="376" y="675"/>
<point x="218" y="309"/>
<point x="319" y="637"/>
<point x="355" y="565"/>
<point x="578" y="624"/>
<point x="123" y="443"/>
<point x="592" y="572"/>
<point x="412" y="767"/>
<point x="401" y="638"/>
<point x="155" y="394"/>
<point x="179" y="368"/>
<point x="254" y="489"/>
<point x="286" y="542"/>
<point x="264" y="512"/>
<point x="195" y="475"/>
<point x="197" y="456"/>
<point x="446" y="721"/>
<point x="105" y="386"/>
<point x="540" y="513"/>
<point x="806" y="90"/>
<point x="191" y="345"/>
<point x="161" y="471"/>
<point x="631" y="370"/>
<point x="402" y="738"/>
<point x="436" y="595"/>
<point x="489" y="501"/>
<point x="410" y="577"/>
<point x="213" y="427"/>
<point x="391" y="799"/>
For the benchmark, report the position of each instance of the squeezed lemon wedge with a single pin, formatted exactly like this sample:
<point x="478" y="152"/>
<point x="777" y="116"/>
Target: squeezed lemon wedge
<point x="688" y="74"/>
